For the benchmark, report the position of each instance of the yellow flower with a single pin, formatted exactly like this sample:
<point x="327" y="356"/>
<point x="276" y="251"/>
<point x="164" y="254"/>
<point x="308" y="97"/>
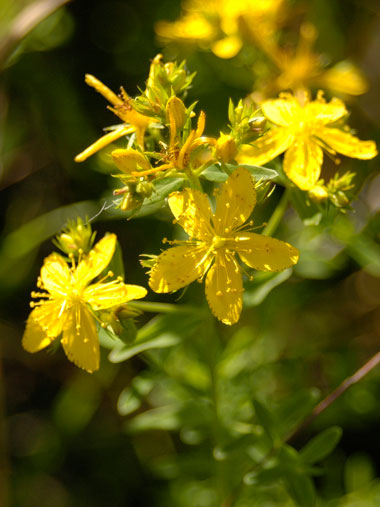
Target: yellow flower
<point x="216" y="24"/>
<point x="133" y="121"/>
<point x="216" y="240"/>
<point x="302" y="130"/>
<point x="70" y="301"/>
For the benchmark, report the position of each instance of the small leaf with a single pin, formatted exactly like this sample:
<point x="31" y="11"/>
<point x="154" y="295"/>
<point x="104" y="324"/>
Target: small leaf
<point x="128" y="401"/>
<point x="321" y="445"/>
<point x="301" y="488"/>
<point x="266" y="420"/>
<point x="262" y="285"/>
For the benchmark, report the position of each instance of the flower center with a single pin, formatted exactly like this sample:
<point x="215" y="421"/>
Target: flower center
<point x="218" y="242"/>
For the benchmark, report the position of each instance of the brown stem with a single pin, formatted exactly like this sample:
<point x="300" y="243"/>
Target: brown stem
<point x="326" y="402"/>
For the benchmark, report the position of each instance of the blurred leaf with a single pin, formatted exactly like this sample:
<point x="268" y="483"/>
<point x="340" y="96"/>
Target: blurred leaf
<point x="301" y="488"/>
<point x="162" y="418"/>
<point x="295" y="409"/>
<point x="128" y="401"/>
<point x="266" y="420"/>
<point x="321" y="445"/>
<point x="160" y="332"/>
<point x="358" y="472"/>
<point x="262" y="285"/>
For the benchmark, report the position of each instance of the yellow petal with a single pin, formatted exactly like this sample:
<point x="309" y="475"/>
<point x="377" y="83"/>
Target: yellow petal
<point x="344" y="78"/>
<point x="55" y="274"/>
<point x="96" y="261"/>
<point x="104" y="141"/>
<point x="80" y="339"/>
<point x="224" y="288"/>
<point x="44" y="324"/>
<point x="325" y="112"/>
<point x="283" y="112"/>
<point x="227" y="47"/>
<point x="105" y="295"/>
<point x="264" y="253"/>
<point x="302" y="163"/>
<point x="235" y="202"/>
<point x="267" y="147"/>
<point x="347" y="144"/>
<point x="177" y="267"/>
<point x="191" y="209"/>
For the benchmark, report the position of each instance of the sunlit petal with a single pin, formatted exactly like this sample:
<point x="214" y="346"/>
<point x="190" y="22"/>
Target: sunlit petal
<point x="302" y="163"/>
<point x="227" y="47"/>
<point x="283" y="112"/>
<point x="55" y="274"/>
<point x="267" y="147"/>
<point x="347" y="144"/>
<point x="44" y="324"/>
<point x="178" y="266"/>
<point x="344" y="77"/>
<point x="264" y="253"/>
<point x="191" y="209"/>
<point x="96" y="261"/>
<point x="80" y="339"/>
<point x="224" y="288"/>
<point x="325" y="112"/>
<point x="235" y="202"/>
<point x="105" y="295"/>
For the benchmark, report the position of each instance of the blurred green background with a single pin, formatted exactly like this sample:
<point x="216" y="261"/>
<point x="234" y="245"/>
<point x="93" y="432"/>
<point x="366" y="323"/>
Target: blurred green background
<point x="62" y="441"/>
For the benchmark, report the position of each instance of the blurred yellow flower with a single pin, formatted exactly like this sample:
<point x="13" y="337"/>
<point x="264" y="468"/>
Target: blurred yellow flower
<point x="215" y="24"/>
<point x="133" y="121"/>
<point x="216" y="238"/>
<point x="69" y="303"/>
<point x="303" y="130"/>
<point x="302" y="68"/>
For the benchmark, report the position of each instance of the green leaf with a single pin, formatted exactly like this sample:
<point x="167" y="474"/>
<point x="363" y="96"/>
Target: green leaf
<point x="116" y="265"/>
<point x="215" y="173"/>
<point x="263" y="284"/>
<point x="321" y="445"/>
<point x="161" y="418"/>
<point x="266" y="420"/>
<point x="295" y="408"/>
<point x="301" y="488"/>
<point x="128" y="401"/>
<point x="160" y="332"/>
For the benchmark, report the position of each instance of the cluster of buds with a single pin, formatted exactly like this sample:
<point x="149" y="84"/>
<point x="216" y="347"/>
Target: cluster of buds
<point x="336" y="191"/>
<point x="246" y="121"/>
<point x="76" y="238"/>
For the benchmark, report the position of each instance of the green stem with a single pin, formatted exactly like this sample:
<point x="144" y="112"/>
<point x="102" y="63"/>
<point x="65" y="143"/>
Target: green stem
<point x="152" y="307"/>
<point x="277" y="214"/>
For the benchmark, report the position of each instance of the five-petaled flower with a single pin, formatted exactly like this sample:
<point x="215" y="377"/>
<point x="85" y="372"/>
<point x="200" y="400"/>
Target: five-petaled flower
<point x="216" y="238"/>
<point x="302" y="131"/>
<point x="69" y="303"/>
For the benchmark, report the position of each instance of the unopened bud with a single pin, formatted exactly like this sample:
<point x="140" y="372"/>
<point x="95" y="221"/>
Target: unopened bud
<point x="318" y="194"/>
<point x="131" y="201"/>
<point x="144" y="188"/>
<point x="176" y="112"/>
<point x="226" y="149"/>
<point x="129" y="160"/>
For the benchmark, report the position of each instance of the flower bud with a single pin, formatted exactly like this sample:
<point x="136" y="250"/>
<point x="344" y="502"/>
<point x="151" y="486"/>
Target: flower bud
<point x="226" y="149"/>
<point x="76" y="237"/>
<point x="318" y="194"/>
<point x="176" y="112"/>
<point x="129" y="160"/>
<point x="144" y="188"/>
